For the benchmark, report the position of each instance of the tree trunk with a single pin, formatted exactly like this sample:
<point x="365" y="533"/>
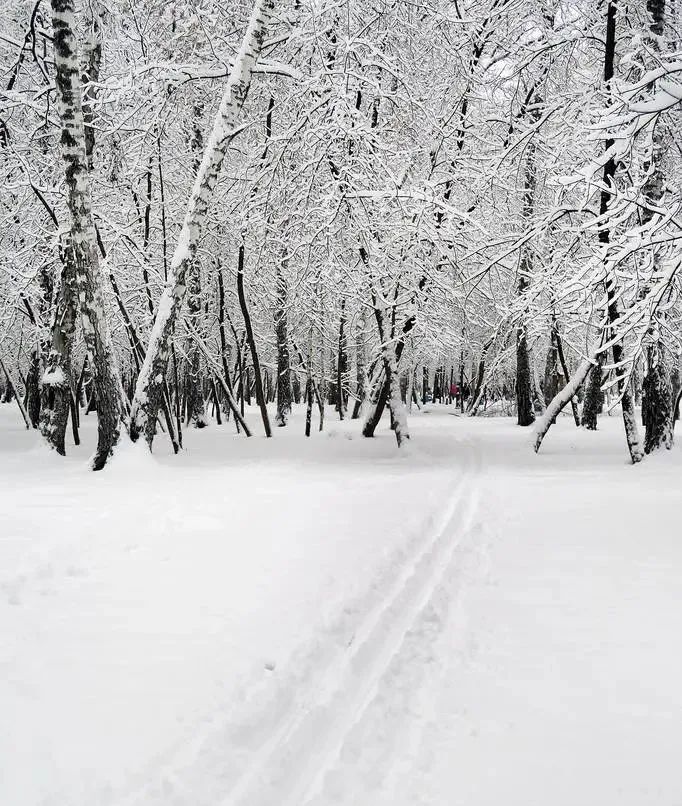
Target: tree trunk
<point x="196" y="404"/>
<point x="361" y="365"/>
<point x="56" y="381"/>
<point x="524" y="381"/>
<point x="657" y="407"/>
<point x="564" y="368"/>
<point x="594" y="396"/>
<point x="281" y="335"/>
<point x="309" y="385"/>
<point x="83" y="237"/>
<point x="657" y="401"/>
<point x="147" y="398"/>
<point x="260" y="397"/>
<point x="524" y="385"/>
<point x="479" y="376"/>
<point x="56" y="395"/>
<point x="613" y="308"/>
<point x="391" y="387"/>
<point x="560" y="401"/>
<point x="341" y="363"/>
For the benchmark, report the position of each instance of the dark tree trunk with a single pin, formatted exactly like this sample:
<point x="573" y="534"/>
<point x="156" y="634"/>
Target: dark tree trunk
<point x="361" y="366"/>
<point x="657" y="402"/>
<point x="260" y="399"/>
<point x="33" y="388"/>
<point x="479" y="375"/>
<point x="390" y="390"/>
<point x="524" y="388"/>
<point x="550" y="385"/>
<point x="564" y="368"/>
<point x="594" y="396"/>
<point x="341" y="363"/>
<point x="613" y="307"/>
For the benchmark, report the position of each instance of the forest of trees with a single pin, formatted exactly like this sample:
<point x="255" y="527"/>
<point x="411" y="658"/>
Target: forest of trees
<point x="360" y="207"/>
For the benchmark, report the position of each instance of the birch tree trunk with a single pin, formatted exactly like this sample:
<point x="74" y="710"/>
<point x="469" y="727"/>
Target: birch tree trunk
<point x="56" y="380"/>
<point x="524" y="381"/>
<point x="196" y="405"/>
<point x="561" y="400"/>
<point x="149" y="390"/>
<point x="56" y="383"/>
<point x="83" y="237"/>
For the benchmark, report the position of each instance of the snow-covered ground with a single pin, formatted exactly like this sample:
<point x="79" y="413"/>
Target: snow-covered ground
<point x="286" y="622"/>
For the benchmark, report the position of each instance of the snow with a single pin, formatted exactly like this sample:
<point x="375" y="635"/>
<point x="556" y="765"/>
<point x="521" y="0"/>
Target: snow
<point x="327" y="621"/>
<point x="54" y="377"/>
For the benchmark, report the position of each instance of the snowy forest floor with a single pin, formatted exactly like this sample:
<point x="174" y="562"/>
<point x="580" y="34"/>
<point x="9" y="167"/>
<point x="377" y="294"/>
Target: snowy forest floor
<point x="286" y="622"/>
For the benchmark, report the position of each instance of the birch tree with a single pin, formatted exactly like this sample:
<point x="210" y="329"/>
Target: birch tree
<point x="82" y="242"/>
<point x="148" y="392"/>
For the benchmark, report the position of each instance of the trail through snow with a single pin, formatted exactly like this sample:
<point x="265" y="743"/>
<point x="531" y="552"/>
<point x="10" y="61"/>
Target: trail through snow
<point x="290" y="623"/>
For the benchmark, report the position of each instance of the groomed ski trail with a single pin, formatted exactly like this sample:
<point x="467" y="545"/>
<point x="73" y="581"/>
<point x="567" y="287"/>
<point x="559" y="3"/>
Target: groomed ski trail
<point x="395" y="639"/>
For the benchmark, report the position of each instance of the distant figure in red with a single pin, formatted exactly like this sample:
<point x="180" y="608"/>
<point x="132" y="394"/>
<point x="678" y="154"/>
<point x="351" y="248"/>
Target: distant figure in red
<point x="454" y="391"/>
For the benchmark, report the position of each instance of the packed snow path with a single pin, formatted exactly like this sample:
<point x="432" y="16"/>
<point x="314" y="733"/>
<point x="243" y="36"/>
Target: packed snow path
<point x="292" y="623"/>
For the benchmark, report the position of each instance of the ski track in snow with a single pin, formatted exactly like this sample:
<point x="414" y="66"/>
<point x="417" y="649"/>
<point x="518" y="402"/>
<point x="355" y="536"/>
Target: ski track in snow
<point x="293" y="769"/>
<point x="372" y="672"/>
<point x="392" y="718"/>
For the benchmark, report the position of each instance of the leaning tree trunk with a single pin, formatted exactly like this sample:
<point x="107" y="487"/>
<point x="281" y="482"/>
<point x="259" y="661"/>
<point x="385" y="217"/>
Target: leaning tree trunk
<point x="149" y="390"/>
<point x="258" y="379"/>
<point x="11" y="392"/>
<point x="83" y="237"/>
<point x="560" y="401"/>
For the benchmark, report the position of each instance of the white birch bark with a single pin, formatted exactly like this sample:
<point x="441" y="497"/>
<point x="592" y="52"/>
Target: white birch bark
<point x="83" y="238"/>
<point x="148" y="393"/>
<point x="561" y="399"/>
